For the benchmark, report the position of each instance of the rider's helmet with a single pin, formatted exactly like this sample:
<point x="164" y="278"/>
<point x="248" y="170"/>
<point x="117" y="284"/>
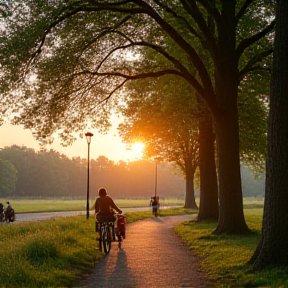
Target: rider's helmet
<point x="102" y="192"/>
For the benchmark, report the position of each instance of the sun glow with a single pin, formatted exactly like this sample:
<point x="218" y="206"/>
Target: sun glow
<point x="137" y="148"/>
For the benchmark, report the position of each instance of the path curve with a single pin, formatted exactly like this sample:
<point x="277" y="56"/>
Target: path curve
<point x="152" y="255"/>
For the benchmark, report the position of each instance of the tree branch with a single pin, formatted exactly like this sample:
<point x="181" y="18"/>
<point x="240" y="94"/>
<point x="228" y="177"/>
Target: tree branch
<point x="211" y="11"/>
<point x="170" y="11"/>
<point x="243" y="10"/>
<point x="193" y="10"/>
<point x="187" y="48"/>
<point x="143" y="8"/>
<point x="253" y="39"/>
<point x="250" y="66"/>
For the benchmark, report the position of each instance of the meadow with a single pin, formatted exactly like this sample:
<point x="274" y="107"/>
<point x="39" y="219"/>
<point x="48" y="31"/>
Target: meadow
<point x="69" y="204"/>
<point x="53" y="253"/>
<point x="57" y="252"/>
<point x="224" y="257"/>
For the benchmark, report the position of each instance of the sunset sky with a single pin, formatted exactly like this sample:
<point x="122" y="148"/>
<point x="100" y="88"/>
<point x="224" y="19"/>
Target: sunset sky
<point x="109" y="145"/>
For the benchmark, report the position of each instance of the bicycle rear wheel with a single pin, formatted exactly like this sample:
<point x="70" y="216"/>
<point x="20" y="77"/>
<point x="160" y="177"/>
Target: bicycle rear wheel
<point x="106" y="239"/>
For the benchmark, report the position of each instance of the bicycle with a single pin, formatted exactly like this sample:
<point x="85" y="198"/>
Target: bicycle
<point x="9" y="215"/>
<point x="154" y="202"/>
<point x="107" y="233"/>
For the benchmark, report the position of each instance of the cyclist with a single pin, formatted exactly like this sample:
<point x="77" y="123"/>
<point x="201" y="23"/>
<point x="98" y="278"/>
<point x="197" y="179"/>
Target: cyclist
<point x="105" y="206"/>
<point x="154" y="202"/>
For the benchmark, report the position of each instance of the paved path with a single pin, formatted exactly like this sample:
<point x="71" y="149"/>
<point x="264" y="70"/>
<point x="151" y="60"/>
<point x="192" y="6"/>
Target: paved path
<point x="152" y="256"/>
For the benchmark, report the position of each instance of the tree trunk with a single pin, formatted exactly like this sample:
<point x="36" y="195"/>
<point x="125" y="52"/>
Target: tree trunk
<point x="190" y="195"/>
<point x="231" y="216"/>
<point x="272" y="247"/>
<point x="208" y="209"/>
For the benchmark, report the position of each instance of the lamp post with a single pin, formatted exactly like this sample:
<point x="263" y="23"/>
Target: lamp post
<point x="88" y="138"/>
<point x="156" y="177"/>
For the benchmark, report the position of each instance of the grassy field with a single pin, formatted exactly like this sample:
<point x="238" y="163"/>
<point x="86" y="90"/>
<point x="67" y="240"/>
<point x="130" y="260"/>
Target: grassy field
<point x="53" y="253"/>
<point x="224" y="257"/>
<point x="57" y="252"/>
<point x="66" y="204"/>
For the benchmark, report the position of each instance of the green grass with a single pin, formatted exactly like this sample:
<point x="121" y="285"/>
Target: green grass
<point x="135" y="216"/>
<point x="224" y="257"/>
<point x="50" y="253"/>
<point x="53" y="253"/>
<point x="58" y="252"/>
<point x="66" y="204"/>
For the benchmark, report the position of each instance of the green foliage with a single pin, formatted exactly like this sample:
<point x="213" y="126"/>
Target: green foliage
<point x="4" y="9"/>
<point x="8" y="178"/>
<point x="69" y="57"/>
<point x="253" y="114"/>
<point x="41" y="173"/>
<point x="163" y="114"/>
<point x="51" y="174"/>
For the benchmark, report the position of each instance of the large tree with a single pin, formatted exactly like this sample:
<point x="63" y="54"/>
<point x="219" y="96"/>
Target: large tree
<point x="272" y="248"/>
<point x="167" y="126"/>
<point x="77" y="48"/>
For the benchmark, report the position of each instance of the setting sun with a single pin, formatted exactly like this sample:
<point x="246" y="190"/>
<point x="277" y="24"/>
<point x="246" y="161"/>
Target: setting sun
<point x="137" y="148"/>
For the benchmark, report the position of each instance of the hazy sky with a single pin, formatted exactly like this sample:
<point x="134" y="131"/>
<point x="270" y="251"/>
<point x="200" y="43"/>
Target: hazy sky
<point x="109" y="145"/>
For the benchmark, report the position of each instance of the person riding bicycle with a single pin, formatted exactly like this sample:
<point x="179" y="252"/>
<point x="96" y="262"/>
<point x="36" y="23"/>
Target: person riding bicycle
<point x="105" y="206"/>
<point x="8" y="205"/>
<point x="154" y="202"/>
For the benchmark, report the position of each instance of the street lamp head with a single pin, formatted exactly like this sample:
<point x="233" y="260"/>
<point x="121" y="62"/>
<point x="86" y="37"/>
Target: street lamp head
<point x="88" y="137"/>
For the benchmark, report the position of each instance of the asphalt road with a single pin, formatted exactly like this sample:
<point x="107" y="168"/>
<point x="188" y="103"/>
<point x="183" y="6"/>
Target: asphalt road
<point x="38" y="216"/>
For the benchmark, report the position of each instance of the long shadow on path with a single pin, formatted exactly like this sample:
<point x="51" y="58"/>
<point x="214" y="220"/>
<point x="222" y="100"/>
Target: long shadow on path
<point x="152" y="255"/>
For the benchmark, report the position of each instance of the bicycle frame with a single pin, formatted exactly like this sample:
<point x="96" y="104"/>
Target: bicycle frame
<point x="107" y="233"/>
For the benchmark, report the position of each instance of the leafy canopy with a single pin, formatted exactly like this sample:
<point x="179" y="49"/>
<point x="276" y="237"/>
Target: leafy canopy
<point x="62" y="60"/>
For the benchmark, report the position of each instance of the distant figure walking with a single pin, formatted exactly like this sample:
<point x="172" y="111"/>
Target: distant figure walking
<point x="9" y="213"/>
<point x="154" y="202"/>
<point x="2" y="213"/>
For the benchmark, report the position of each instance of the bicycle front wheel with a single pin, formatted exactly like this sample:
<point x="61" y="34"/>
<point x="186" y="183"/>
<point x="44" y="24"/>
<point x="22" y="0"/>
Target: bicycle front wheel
<point x="106" y="239"/>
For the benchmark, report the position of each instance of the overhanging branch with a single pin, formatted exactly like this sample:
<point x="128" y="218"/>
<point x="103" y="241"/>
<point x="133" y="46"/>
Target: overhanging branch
<point x="249" y="41"/>
<point x="251" y="65"/>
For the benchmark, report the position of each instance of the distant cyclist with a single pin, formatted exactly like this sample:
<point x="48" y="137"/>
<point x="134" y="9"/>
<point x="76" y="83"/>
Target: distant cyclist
<point x="105" y="207"/>
<point x="154" y="202"/>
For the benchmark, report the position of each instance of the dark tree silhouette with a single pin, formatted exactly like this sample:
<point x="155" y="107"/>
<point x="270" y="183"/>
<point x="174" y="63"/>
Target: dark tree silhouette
<point x="272" y="247"/>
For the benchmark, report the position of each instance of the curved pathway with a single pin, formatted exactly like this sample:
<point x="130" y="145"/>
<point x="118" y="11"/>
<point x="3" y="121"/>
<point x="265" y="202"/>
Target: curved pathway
<point x="152" y="255"/>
